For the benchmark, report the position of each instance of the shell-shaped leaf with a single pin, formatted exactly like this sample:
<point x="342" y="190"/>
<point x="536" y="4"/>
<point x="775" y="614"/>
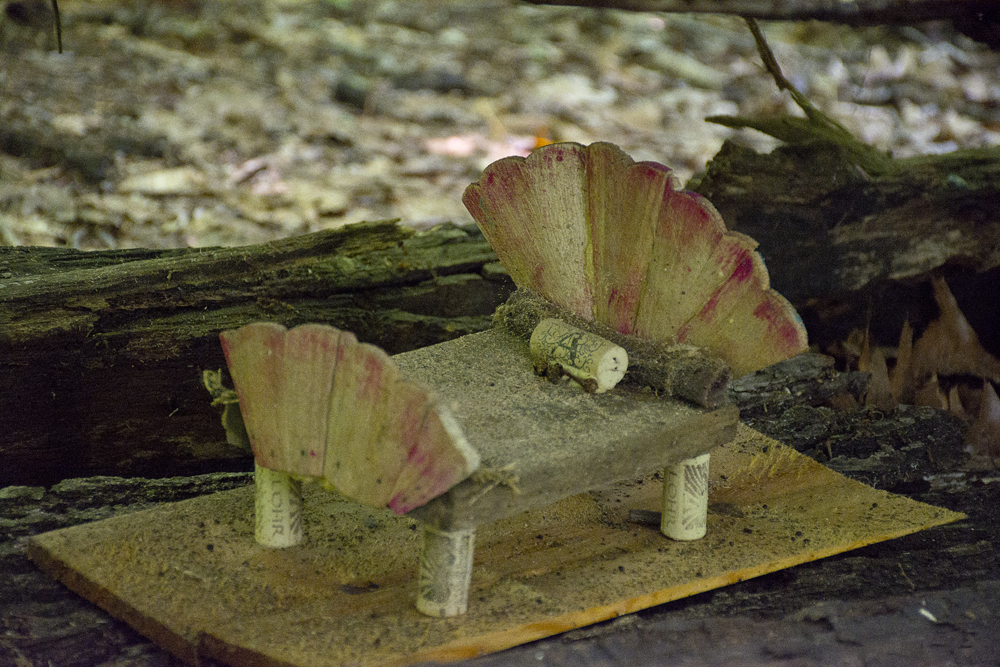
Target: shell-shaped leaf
<point x="550" y="253"/>
<point x="616" y="241"/>
<point x="317" y="403"/>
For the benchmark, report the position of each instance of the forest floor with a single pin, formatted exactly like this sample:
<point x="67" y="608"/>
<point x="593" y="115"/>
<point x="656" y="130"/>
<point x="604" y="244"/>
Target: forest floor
<point x="199" y="123"/>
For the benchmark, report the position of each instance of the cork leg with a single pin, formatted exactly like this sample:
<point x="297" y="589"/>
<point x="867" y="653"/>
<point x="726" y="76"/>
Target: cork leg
<point x="685" y="499"/>
<point x="445" y="571"/>
<point x="277" y="508"/>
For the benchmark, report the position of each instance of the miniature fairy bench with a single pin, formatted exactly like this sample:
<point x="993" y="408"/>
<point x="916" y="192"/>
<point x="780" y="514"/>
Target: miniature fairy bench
<point x="617" y="270"/>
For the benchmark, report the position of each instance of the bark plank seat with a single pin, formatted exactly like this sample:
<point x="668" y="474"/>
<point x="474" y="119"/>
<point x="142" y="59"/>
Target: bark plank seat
<point x="542" y="441"/>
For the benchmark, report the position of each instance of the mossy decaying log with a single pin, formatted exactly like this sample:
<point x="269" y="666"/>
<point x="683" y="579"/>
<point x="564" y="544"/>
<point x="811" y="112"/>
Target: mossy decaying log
<point x="825" y="227"/>
<point x="837" y="215"/>
<point x="101" y="353"/>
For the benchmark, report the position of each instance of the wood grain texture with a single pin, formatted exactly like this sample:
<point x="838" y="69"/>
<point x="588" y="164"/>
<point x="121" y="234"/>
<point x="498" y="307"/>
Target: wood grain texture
<point x="541" y="442"/>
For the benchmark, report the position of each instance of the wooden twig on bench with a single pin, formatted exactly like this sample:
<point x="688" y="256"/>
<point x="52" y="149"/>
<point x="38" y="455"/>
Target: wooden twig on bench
<point x="683" y="371"/>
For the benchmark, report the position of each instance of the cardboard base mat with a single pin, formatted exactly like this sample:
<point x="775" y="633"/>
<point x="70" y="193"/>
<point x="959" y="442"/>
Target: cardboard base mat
<point x="190" y="576"/>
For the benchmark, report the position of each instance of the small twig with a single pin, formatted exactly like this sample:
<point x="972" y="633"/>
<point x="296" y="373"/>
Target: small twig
<point x="913" y="586"/>
<point x="767" y="56"/>
<point x="816" y="126"/>
<point x="55" y="12"/>
<point x="771" y="64"/>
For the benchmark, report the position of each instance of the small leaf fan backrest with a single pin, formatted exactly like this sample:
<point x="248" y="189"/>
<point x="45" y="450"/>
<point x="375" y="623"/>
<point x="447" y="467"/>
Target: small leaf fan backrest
<point x="318" y="404"/>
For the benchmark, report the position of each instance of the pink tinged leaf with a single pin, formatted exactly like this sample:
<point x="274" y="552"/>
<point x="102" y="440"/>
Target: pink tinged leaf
<point x="383" y="453"/>
<point x="684" y="272"/>
<point x="392" y="459"/>
<point x="318" y="403"/>
<point x="713" y="291"/>
<point x="283" y="378"/>
<point x="530" y="209"/>
<point x="310" y="361"/>
<point x="436" y="468"/>
<point x="625" y="200"/>
<point x="745" y="322"/>
<point x="657" y="262"/>
<point x="255" y="356"/>
<point x="362" y="384"/>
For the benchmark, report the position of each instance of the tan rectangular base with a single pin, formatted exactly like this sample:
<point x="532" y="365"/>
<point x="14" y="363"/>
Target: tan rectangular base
<point x="190" y="576"/>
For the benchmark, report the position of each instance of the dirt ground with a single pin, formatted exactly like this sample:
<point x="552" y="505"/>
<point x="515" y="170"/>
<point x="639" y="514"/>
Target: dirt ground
<point x="198" y="123"/>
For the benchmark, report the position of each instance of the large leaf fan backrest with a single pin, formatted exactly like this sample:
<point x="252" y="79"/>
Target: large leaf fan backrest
<point x="617" y="242"/>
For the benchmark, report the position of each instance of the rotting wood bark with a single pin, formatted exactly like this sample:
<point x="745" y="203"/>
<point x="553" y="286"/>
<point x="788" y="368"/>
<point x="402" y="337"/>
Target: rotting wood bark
<point x="850" y="209"/>
<point x="850" y="219"/>
<point x="806" y="379"/>
<point x="826" y="227"/>
<point x="853" y="251"/>
<point x="101" y="353"/>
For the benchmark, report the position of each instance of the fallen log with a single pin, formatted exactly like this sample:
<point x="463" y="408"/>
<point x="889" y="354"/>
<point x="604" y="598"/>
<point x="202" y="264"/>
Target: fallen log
<point x="825" y="226"/>
<point x="851" y="249"/>
<point x="101" y="353"/>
